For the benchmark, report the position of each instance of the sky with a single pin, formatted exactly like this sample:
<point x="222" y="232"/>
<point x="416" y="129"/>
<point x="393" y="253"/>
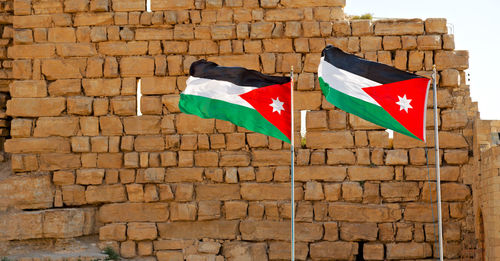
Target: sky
<point x="475" y="25"/>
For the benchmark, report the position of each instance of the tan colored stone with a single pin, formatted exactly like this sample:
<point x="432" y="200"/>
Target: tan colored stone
<point x="31" y="51"/>
<point x="324" y="173"/>
<point x="198" y="230"/>
<point x="24" y="192"/>
<point x="436" y="26"/>
<point x="337" y="250"/>
<point x="56" y="126"/>
<point x="64" y="223"/>
<point x="83" y="19"/>
<point x="396" y="157"/>
<point x="54" y="69"/>
<point x="105" y="194"/>
<point x="360" y="173"/>
<point x="408" y="250"/>
<point x="373" y="251"/>
<point x="217" y="192"/>
<point x="270" y="158"/>
<point x="36" y="107"/>
<point x="274" y="230"/>
<point x="134" y="212"/>
<point x="184" y="174"/>
<point x="73" y="195"/>
<point x="115" y="232"/>
<point x="249" y="61"/>
<point x="399" y="27"/>
<point x="140" y="125"/>
<point x="28" y="89"/>
<point x="141" y="231"/>
<point x="65" y="87"/>
<point x="149" y="143"/>
<point x="449" y="78"/>
<point x="313" y="3"/>
<point x="326" y="140"/>
<point x="27" y="145"/>
<point x="192" y="124"/>
<point x="359" y="231"/>
<point x="183" y="211"/>
<point x="365" y="212"/>
<point x="256" y="191"/>
<point x="22" y="225"/>
<point x="452" y="59"/>
<point x="56" y="161"/>
<point x="89" y="176"/>
<point x="399" y="191"/>
<point x="139" y="66"/>
<point x="422" y="212"/>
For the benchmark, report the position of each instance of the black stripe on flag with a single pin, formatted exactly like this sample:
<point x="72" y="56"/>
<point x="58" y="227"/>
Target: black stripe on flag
<point x="236" y="75"/>
<point x="376" y="72"/>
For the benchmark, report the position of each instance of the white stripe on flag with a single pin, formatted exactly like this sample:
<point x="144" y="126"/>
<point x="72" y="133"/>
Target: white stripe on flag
<point x="218" y="90"/>
<point x="346" y="82"/>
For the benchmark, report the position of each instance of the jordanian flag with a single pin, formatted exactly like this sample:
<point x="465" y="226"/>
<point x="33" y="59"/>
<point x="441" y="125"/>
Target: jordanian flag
<point x="378" y="93"/>
<point x="247" y="98"/>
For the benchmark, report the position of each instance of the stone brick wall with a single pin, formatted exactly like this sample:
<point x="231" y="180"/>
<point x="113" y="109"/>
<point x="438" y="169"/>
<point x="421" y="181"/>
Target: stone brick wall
<point x="173" y="186"/>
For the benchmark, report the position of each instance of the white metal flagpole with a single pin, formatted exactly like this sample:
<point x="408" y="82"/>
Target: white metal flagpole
<point x="292" y="150"/>
<point x="438" y="175"/>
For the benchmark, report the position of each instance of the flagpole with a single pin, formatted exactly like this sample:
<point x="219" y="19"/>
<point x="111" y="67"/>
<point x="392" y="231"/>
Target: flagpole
<point x="438" y="174"/>
<point x="292" y="150"/>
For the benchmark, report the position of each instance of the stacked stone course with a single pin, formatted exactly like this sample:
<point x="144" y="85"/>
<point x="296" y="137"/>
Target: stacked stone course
<point x="171" y="186"/>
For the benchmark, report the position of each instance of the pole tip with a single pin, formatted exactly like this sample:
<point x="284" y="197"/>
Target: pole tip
<point x="434" y="67"/>
<point x="292" y="67"/>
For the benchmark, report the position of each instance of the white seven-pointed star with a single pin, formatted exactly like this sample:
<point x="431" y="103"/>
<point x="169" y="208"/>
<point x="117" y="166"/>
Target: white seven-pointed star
<point x="404" y="104"/>
<point x="277" y="105"/>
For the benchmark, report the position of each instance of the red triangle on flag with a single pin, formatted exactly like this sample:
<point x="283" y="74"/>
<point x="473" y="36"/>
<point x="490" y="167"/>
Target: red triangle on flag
<point x="273" y="103"/>
<point x="405" y="101"/>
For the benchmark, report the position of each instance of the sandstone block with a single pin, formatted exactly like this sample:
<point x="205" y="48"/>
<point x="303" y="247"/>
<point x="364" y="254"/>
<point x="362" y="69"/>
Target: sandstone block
<point x="429" y="42"/>
<point x="140" y="125"/>
<point x="327" y="140"/>
<point x="452" y="59"/>
<point x="79" y="105"/>
<point x="153" y="34"/>
<point x="73" y="195"/>
<point x="32" y="21"/>
<point x="324" y="173"/>
<point x="171" y="5"/>
<point x="128" y="5"/>
<point x="270" y="158"/>
<point x="399" y="27"/>
<point x="134" y="212"/>
<point x="63" y="178"/>
<point x="313" y="3"/>
<point x="453" y="119"/>
<point x="149" y="143"/>
<point x="123" y="48"/>
<point x="456" y="157"/>
<point x="261" y="30"/>
<point x="137" y="66"/>
<point x="449" y="78"/>
<point x="258" y="191"/>
<point x="448" y="173"/>
<point x="370" y="43"/>
<point x="217" y="192"/>
<point x="54" y="69"/>
<point x="28" y="89"/>
<point x="169" y="255"/>
<point x="55" y="161"/>
<point x="184" y="175"/>
<point x="360" y="173"/>
<point x="250" y="61"/>
<point x="26" y="192"/>
<point x="183" y="211"/>
<point x="115" y="232"/>
<point x="56" y="126"/>
<point x="337" y="250"/>
<point x="396" y="157"/>
<point x="27" y="145"/>
<point x="36" y="107"/>
<point x="203" y="47"/>
<point x="206" y="159"/>
<point x="422" y="212"/>
<point x="186" y="123"/>
<point x="359" y="231"/>
<point x="109" y="160"/>
<point x="89" y="176"/>
<point x="64" y="223"/>
<point x="110" y="125"/>
<point x="65" y="87"/>
<point x="198" y="230"/>
<point x="158" y="85"/>
<point x="436" y="26"/>
<point x="408" y="250"/>
<point x="89" y="19"/>
<point x="373" y="251"/>
<point x="22" y="225"/>
<point x="75" y="49"/>
<point x="365" y="212"/>
<point x="31" y="51"/>
<point x="141" y="231"/>
<point x="105" y="194"/>
<point x="274" y="230"/>
<point x="399" y="191"/>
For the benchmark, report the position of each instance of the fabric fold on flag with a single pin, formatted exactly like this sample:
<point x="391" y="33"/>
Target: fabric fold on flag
<point x="247" y="98"/>
<point x="376" y="92"/>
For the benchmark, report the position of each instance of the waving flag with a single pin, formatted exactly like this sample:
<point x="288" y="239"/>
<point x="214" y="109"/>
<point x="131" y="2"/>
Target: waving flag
<point x="247" y="98"/>
<point x="376" y="92"/>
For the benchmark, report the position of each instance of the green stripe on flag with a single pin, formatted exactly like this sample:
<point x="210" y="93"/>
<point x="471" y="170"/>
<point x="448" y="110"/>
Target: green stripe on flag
<point x="368" y="111"/>
<point x="239" y="115"/>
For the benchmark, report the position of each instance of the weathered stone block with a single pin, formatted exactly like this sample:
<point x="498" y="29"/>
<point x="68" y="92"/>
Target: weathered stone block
<point x="28" y="89"/>
<point x="27" y="145"/>
<point x="408" y="250"/>
<point x="198" y="230"/>
<point x="259" y="191"/>
<point x="274" y="230"/>
<point x="105" y="194"/>
<point x="359" y="231"/>
<point x="137" y="66"/>
<point x="337" y="250"/>
<point x="36" y="107"/>
<point x="184" y="174"/>
<point x="20" y="226"/>
<point x="365" y="212"/>
<point x="115" y="232"/>
<point x="134" y="212"/>
<point x="217" y="192"/>
<point x="141" y="231"/>
<point x="56" y="126"/>
<point x="25" y="192"/>
<point x="324" y="173"/>
<point x="327" y="140"/>
<point x="360" y="173"/>
<point x="399" y="27"/>
<point x="65" y="223"/>
<point x="140" y="125"/>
